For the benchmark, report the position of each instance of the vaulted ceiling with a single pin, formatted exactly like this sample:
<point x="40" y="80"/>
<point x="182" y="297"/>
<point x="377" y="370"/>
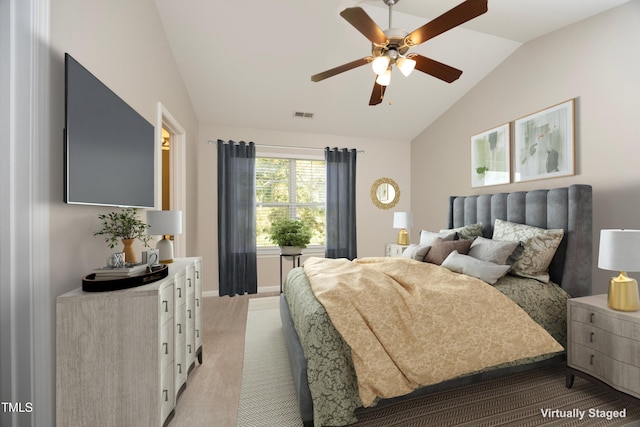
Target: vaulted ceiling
<point x="248" y="63"/>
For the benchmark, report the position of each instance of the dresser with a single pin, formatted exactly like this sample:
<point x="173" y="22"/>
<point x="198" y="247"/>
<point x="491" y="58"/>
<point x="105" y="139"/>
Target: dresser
<point x="123" y="357"/>
<point x="603" y="344"/>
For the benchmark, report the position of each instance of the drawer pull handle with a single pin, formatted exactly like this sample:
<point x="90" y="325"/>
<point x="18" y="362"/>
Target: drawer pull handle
<point x="198" y="333"/>
<point x="179" y="292"/>
<point x="166" y="395"/>
<point x="189" y="280"/>
<point x="197" y="302"/>
<point x="189" y="313"/>
<point x="189" y="347"/>
<point x="592" y="359"/>
<point x="166" y="347"/>
<point x="179" y="368"/>
<point x="179" y="328"/>
<point x="591" y="317"/>
<point x="166" y="306"/>
<point x="591" y="336"/>
<point x="197" y="274"/>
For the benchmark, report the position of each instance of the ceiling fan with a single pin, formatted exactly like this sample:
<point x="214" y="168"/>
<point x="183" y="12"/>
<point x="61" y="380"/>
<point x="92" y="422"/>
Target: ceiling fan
<point x="392" y="45"/>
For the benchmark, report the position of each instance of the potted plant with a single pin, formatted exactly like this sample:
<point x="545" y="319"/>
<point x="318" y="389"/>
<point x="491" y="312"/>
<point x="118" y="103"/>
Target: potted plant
<point x="291" y="235"/>
<point x="124" y="227"/>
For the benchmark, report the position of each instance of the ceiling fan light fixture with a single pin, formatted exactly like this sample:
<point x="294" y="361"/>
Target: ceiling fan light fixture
<point x="380" y="64"/>
<point x="384" y="78"/>
<point x="405" y="65"/>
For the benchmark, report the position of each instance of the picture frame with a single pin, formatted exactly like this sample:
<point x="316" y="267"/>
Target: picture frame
<point x="545" y="143"/>
<point x="491" y="157"/>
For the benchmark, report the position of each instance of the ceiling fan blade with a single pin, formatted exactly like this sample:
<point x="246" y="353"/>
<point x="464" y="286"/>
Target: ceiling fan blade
<point x="448" y="20"/>
<point x="341" y="69"/>
<point x="377" y="94"/>
<point x="436" y="69"/>
<point x="362" y="22"/>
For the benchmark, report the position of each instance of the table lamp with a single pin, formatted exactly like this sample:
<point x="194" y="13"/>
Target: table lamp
<point x="165" y="223"/>
<point x="403" y="220"/>
<point x="620" y="251"/>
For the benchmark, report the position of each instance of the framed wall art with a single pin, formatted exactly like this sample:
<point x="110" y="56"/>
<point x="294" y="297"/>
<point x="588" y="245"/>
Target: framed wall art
<point x="490" y="157"/>
<point x="544" y="144"/>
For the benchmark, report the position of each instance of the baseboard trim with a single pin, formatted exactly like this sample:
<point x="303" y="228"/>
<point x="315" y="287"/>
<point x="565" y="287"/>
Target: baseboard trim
<point x="261" y="290"/>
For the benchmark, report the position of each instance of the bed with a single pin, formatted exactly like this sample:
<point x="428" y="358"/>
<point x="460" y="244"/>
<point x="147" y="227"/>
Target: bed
<point x="321" y="361"/>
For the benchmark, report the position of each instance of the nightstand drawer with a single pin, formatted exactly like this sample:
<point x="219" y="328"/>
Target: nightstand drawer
<point x="394" y="250"/>
<point x="617" y="347"/>
<point x="604" y="320"/>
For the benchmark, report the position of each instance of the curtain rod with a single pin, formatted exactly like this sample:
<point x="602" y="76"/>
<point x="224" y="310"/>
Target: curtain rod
<point x="296" y="148"/>
<point x="291" y="147"/>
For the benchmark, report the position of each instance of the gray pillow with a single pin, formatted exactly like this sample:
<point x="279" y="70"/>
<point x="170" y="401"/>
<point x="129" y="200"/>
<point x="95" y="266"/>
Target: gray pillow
<point x="428" y="238"/>
<point x="416" y="252"/>
<point x="495" y="251"/>
<point x="467" y="232"/>
<point x="483" y="270"/>
<point x="540" y="246"/>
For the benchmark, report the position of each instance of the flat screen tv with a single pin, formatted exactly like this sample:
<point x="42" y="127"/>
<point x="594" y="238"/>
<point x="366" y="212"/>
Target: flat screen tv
<point x="109" y="147"/>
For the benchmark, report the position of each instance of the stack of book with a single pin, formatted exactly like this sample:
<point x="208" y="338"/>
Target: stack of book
<point x="110" y="273"/>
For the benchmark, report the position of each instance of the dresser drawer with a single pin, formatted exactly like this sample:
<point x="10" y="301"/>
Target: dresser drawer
<point x="166" y="303"/>
<point x="167" y="392"/>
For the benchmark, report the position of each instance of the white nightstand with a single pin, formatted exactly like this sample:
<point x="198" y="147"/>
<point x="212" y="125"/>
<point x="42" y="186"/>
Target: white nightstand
<point x="394" y="249"/>
<point x="603" y="345"/>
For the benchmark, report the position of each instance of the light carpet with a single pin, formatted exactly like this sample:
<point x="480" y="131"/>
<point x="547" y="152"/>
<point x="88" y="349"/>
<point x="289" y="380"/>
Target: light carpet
<point x="267" y="393"/>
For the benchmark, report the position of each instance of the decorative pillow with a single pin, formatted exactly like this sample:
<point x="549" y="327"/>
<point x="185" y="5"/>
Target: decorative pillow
<point x="467" y="232"/>
<point x="495" y="251"/>
<point x="427" y="238"/>
<point x="442" y="248"/>
<point x="483" y="270"/>
<point x="539" y="244"/>
<point x="416" y="252"/>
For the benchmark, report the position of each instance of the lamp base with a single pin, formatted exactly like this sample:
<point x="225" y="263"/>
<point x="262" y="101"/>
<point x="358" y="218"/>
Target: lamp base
<point x="165" y="251"/>
<point x="623" y="293"/>
<point x="403" y="237"/>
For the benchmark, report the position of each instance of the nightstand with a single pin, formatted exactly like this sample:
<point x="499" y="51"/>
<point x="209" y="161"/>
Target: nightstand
<point x="603" y="345"/>
<point x="394" y="249"/>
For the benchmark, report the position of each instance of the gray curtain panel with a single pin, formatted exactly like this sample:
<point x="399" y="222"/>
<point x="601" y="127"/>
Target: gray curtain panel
<point x="237" y="218"/>
<point x="341" y="203"/>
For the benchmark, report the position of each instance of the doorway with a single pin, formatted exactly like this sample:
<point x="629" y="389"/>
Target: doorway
<point x="171" y="172"/>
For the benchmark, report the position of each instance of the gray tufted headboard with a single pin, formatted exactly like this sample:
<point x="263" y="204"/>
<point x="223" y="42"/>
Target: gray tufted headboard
<point x="569" y="208"/>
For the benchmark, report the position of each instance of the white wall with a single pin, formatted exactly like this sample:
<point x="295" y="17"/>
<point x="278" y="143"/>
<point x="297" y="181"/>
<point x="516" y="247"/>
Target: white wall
<point x="596" y="62"/>
<point x="382" y="158"/>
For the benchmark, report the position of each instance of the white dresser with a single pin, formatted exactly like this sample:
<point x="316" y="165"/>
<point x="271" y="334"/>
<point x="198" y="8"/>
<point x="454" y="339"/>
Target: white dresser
<point x="122" y="357"/>
<point x="603" y="344"/>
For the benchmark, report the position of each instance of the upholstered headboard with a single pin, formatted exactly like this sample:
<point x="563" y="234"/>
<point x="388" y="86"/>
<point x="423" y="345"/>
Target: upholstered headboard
<point x="569" y="208"/>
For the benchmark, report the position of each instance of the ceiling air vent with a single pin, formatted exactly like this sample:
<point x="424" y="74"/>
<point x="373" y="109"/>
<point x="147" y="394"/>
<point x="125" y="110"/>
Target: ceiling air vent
<point x="303" y="114"/>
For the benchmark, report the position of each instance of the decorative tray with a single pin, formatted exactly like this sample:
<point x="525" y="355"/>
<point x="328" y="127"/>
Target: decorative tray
<point x="153" y="274"/>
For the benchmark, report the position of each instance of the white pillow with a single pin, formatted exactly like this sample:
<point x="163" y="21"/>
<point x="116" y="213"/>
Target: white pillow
<point x="428" y="238"/>
<point x="416" y="252"/>
<point x="483" y="270"/>
<point x="495" y="251"/>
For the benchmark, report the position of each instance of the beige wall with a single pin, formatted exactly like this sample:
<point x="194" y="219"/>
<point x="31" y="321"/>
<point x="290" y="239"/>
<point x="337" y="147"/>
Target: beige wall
<point x="597" y="63"/>
<point x="381" y="158"/>
<point x="123" y="44"/>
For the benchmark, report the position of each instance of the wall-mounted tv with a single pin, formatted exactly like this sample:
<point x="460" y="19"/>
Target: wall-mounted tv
<point x="109" y="147"/>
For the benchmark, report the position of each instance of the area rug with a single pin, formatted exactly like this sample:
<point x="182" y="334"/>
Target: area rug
<point x="267" y="396"/>
<point x="527" y="399"/>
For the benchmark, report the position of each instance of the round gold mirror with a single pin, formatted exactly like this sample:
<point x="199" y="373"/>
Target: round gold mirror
<point x="385" y="193"/>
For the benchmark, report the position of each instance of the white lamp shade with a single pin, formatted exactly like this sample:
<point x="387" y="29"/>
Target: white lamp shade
<point x="380" y="64"/>
<point x="385" y="78"/>
<point x="405" y="65"/>
<point x="164" y="222"/>
<point x="619" y="250"/>
<point x="402" y="220"/>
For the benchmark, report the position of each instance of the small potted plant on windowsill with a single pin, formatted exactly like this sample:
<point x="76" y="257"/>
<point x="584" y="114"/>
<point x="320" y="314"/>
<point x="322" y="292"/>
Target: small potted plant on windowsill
<point x="291" y="235"/>
<point x="124" y="227"/>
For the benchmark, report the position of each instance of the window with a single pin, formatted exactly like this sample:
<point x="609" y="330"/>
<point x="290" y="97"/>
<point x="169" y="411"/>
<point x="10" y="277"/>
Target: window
<point x="290" y="187"/>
